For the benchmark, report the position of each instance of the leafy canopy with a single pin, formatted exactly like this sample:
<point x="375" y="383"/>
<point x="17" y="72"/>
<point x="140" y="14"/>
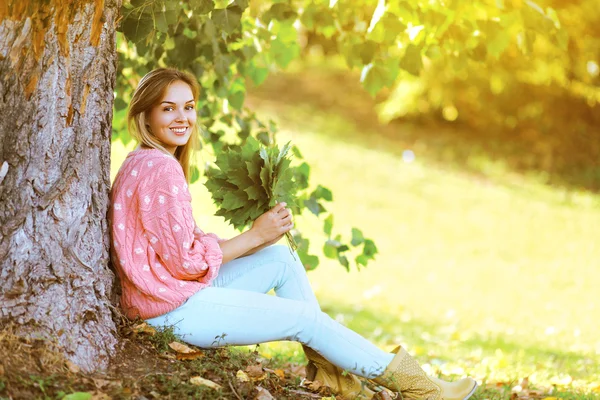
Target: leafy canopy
<point x="229" y="43"/>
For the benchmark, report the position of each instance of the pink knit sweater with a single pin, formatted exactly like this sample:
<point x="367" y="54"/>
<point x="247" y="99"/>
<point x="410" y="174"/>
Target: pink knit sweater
<point x="161" y="255"/>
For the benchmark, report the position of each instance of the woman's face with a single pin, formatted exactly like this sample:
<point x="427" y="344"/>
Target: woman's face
<point x="172" y="120"/>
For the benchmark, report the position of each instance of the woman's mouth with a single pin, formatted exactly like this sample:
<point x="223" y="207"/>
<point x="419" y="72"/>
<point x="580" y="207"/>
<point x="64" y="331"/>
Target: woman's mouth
<point x="179" y="131"/>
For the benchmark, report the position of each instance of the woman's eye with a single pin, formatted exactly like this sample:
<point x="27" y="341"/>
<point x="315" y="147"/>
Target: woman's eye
<point x="168" y="109"/>
<point x="189" y="107"/>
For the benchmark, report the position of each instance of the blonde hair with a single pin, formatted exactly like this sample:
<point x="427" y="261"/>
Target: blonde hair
<point x="147" y="95"/>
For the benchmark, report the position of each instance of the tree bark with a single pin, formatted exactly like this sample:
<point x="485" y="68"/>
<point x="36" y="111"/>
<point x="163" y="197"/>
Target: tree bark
<point x="57" y="75"/>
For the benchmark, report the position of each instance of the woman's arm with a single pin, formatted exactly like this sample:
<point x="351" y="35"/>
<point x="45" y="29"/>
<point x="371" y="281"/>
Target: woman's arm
<point x="262" y="246"/>
<point x="266" y="230"/>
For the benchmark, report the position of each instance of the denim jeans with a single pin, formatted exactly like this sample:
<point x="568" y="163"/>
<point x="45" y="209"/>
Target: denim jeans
<point x="236" y="310"/>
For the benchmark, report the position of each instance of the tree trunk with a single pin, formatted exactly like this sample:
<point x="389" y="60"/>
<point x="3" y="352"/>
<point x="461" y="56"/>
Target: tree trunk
<point x="57" y="75"/>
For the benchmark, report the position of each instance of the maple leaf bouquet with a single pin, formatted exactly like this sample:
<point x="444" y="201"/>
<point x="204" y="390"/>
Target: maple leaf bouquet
<point x="250" y="180"/>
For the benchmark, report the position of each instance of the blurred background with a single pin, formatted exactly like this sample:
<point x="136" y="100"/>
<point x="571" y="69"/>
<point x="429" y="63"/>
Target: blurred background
<point x="477" y="176"/>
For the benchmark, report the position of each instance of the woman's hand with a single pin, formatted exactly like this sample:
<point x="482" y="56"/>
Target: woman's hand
<point x="270" y="226"/>
<point x="266" y="230"/>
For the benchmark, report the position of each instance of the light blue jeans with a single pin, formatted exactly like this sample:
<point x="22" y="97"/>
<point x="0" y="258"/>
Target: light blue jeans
<point x="236" y="310"/>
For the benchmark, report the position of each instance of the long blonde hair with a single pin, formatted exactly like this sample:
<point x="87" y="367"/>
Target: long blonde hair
<point x="148" y="94"/>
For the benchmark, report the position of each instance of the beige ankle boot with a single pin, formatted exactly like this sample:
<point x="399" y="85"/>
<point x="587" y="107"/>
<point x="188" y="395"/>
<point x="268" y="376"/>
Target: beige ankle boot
<point x="406" y="376"/>
<point x="349" y="386"/>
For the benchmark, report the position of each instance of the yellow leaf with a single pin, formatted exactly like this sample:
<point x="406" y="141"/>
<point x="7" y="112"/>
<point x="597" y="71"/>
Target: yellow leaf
<point x="242" y="376"/>
<point x="280" y="373"/>
<point x="190" y="356"/>
<point x="180" y="348"/>
<point x="72" y="367"/>
<point x="419" y="350"/>
<point x="256" y="373"/>
<point x="314" y="386"/>
<point x="199" y="381"/>
<point x="144" y="328"/>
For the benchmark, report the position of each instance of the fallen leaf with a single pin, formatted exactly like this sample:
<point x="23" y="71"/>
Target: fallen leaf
<point x="1" y="370"/>
<point x="517" y="389"/>
<point x="297" y="370"/>
<point x="144" y="328"/>
<point x="190" y="356"/>
<point x="181" y="348"/>
<point x="242" y="376"/>
<point x="525" y="383"/>
<point x="263" y="394"/>
<point x="256" y="373"/>
<point x="254" y="370"/>
<point x="72" y="367"/>
<point x="199" y="381"/>
<point x="314" y="386"/>
<point x="168" y="356"/>
<point x="100" y="383"/>
<point x="280" y="373"/>
<point x="383" y="395"/>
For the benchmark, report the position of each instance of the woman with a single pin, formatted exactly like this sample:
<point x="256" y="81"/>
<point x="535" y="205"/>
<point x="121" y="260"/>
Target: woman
<point x="212" y="290"/>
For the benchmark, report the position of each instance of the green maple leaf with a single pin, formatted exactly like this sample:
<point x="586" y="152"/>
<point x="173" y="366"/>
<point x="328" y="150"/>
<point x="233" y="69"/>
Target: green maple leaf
<point x="232" y="201"/>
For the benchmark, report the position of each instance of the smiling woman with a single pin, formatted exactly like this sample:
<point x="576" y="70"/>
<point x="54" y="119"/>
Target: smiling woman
<point x="162" y="114"/>
<point x="173" y="119"/>
<point x="214" y="292"/>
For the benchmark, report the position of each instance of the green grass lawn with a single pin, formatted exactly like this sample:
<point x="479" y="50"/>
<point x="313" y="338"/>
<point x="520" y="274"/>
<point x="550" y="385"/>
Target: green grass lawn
<point x="492" y="275"/>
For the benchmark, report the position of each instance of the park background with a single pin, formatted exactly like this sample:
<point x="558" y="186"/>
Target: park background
<point x="447" y="157"/>
<point x="487" y="262"/>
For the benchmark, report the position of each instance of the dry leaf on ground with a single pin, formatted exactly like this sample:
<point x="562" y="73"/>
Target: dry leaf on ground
<point x="190" y="356"/>
<point x="144" y="328"/>
<point x="297" y="370"/>
<point x="181" y="348"/>
<point x="314" y="385"/>
<point x="383" y="395"/>
<point x="242" y="376"/>
<point x="199" y="381"/>
<point x="256" y="372"/>
<point x="263" y="394"/>
<point x="72" y="367"/>
<point x="100" y="383"/>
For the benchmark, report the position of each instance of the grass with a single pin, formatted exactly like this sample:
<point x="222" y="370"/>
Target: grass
<point x="482" y="272"/>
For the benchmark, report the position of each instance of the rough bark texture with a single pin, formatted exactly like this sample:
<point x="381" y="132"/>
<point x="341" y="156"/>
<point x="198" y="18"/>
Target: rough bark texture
<point x="57" y="74"/>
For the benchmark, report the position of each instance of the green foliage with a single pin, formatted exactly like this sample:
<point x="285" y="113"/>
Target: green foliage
<point x="250" y="180"/>
<point x="225" y="44"/>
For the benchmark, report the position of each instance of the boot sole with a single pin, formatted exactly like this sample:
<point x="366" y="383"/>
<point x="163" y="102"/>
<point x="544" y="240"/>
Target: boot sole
<point x="472" y="391"/>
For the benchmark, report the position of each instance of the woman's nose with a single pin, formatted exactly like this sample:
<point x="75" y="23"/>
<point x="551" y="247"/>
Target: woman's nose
<point x="180" y="116"/>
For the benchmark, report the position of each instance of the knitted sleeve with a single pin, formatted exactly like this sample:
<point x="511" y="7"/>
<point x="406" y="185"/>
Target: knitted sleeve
<point x="168" y="223"/>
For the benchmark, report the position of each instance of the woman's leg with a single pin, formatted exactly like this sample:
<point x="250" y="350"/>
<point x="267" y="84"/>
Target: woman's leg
<point x="274" y="267"/>
<point x="217" y="316"/>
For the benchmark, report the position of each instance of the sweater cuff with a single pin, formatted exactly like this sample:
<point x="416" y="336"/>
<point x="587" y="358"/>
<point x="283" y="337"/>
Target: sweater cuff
<point x="213" y="256"/>
<point x="218" y="239"/>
